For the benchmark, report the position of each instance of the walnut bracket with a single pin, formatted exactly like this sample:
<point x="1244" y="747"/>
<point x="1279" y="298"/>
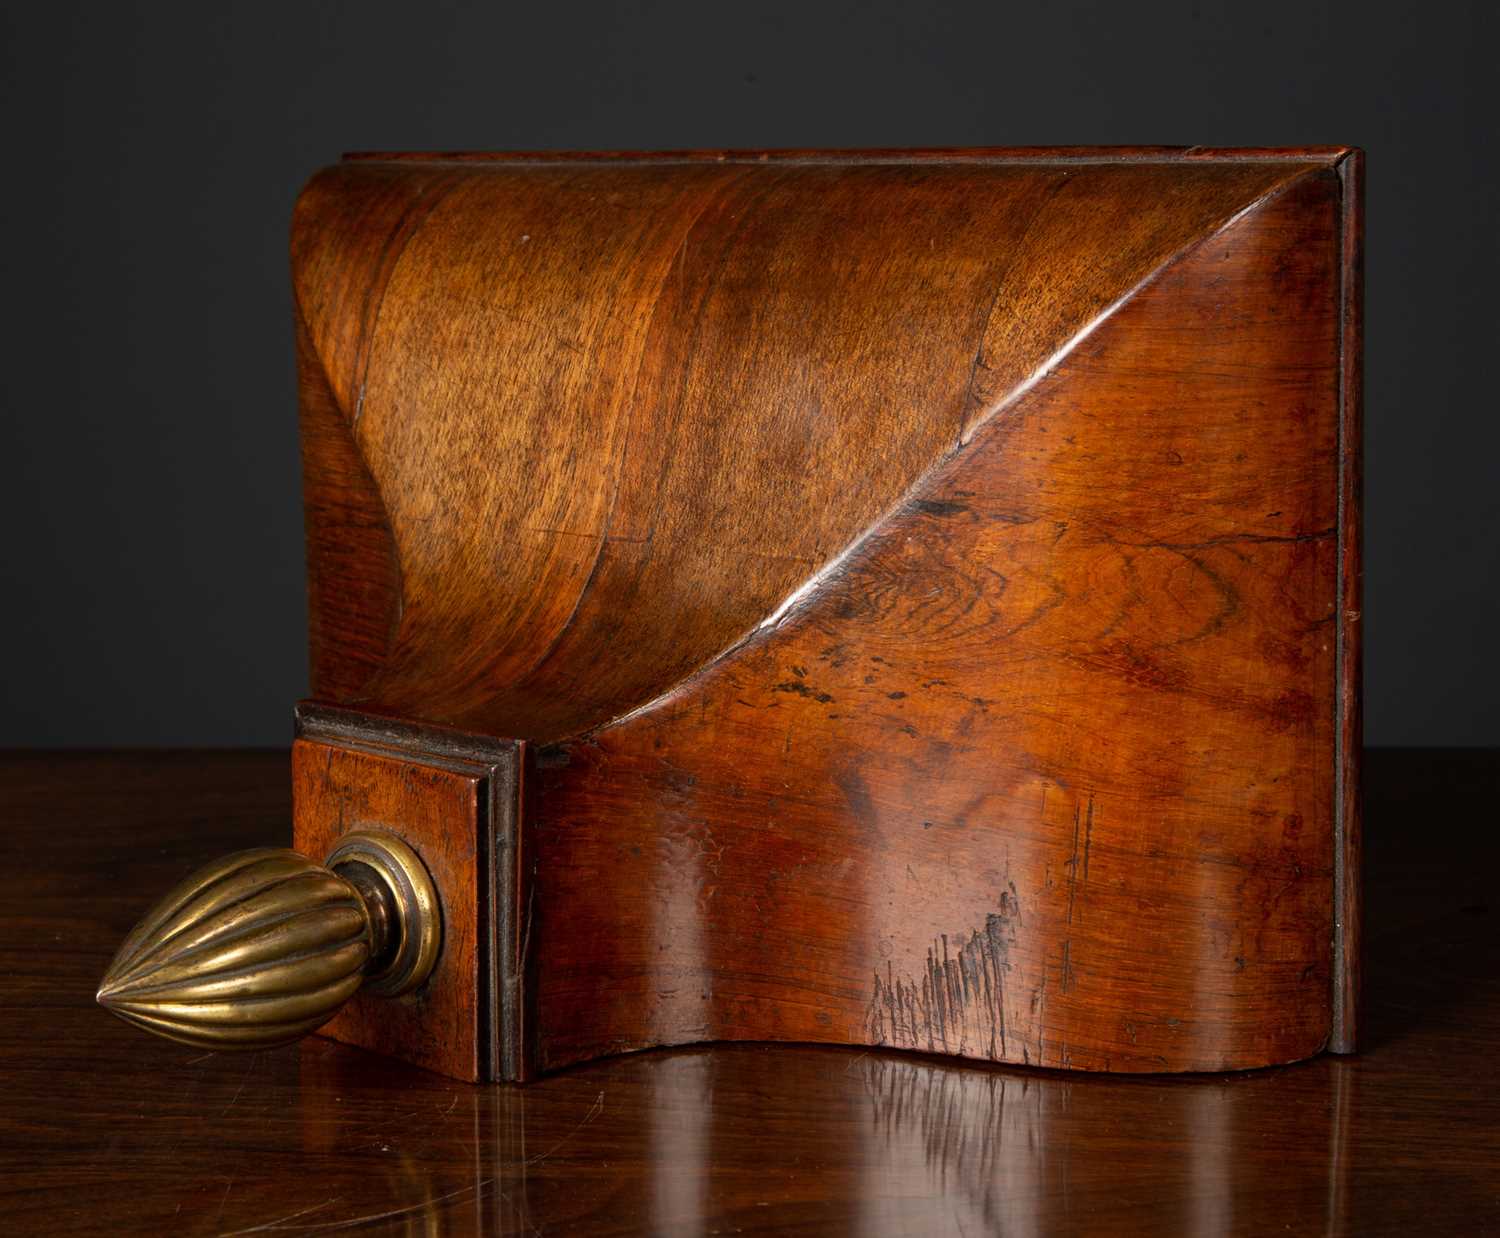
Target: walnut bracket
<point x="894" y="599"/>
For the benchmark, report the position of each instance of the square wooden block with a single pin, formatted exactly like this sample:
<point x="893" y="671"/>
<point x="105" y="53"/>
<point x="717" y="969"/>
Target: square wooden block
<point x="454" y="803"/>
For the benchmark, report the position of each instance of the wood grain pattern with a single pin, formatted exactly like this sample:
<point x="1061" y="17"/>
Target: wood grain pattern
<point x="589" y="364"/>
<point x="438" y="813"/>
<point x="104" y="1131"/>
<point x="927" y="584"/>
<point x="1043" y="772"/>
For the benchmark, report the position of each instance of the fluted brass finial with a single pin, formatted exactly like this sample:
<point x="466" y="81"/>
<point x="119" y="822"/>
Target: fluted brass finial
<point x="263" y="947"/>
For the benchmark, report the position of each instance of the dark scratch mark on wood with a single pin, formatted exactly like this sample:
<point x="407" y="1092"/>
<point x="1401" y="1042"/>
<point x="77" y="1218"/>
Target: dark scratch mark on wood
<point x="1072" y="864"/>
<point x="799" y="688"/>
<point x="940" y="507"/>
<point x="957" y="1004"/>
<point x="1088" y="837"/>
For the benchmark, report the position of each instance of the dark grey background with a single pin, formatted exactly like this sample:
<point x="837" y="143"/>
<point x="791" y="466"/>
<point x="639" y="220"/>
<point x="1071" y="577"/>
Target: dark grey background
<point x="150" y="510"/>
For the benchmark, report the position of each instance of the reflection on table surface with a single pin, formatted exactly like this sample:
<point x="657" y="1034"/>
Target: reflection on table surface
<point x="106" y="1131"/>
<point x="756" y="1138"/>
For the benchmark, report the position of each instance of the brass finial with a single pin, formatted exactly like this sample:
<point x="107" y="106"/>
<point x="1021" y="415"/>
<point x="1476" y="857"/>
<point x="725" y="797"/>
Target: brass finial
<point x="264" y="946"/>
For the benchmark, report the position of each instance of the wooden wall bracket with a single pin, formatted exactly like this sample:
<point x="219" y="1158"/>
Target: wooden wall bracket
<point x="903" y="599"/>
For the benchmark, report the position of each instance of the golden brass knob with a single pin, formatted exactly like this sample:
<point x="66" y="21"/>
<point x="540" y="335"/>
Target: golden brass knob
<point x="263" y="947"/>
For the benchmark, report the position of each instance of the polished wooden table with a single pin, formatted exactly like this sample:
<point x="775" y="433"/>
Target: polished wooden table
<point x="104" y="1130"/>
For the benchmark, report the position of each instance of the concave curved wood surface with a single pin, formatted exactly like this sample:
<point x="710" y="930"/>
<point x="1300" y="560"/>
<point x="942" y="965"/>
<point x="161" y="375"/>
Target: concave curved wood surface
<point x="927" y="587"/>
<point x="1043" y="772"/>
<point x="574" y="428"/>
